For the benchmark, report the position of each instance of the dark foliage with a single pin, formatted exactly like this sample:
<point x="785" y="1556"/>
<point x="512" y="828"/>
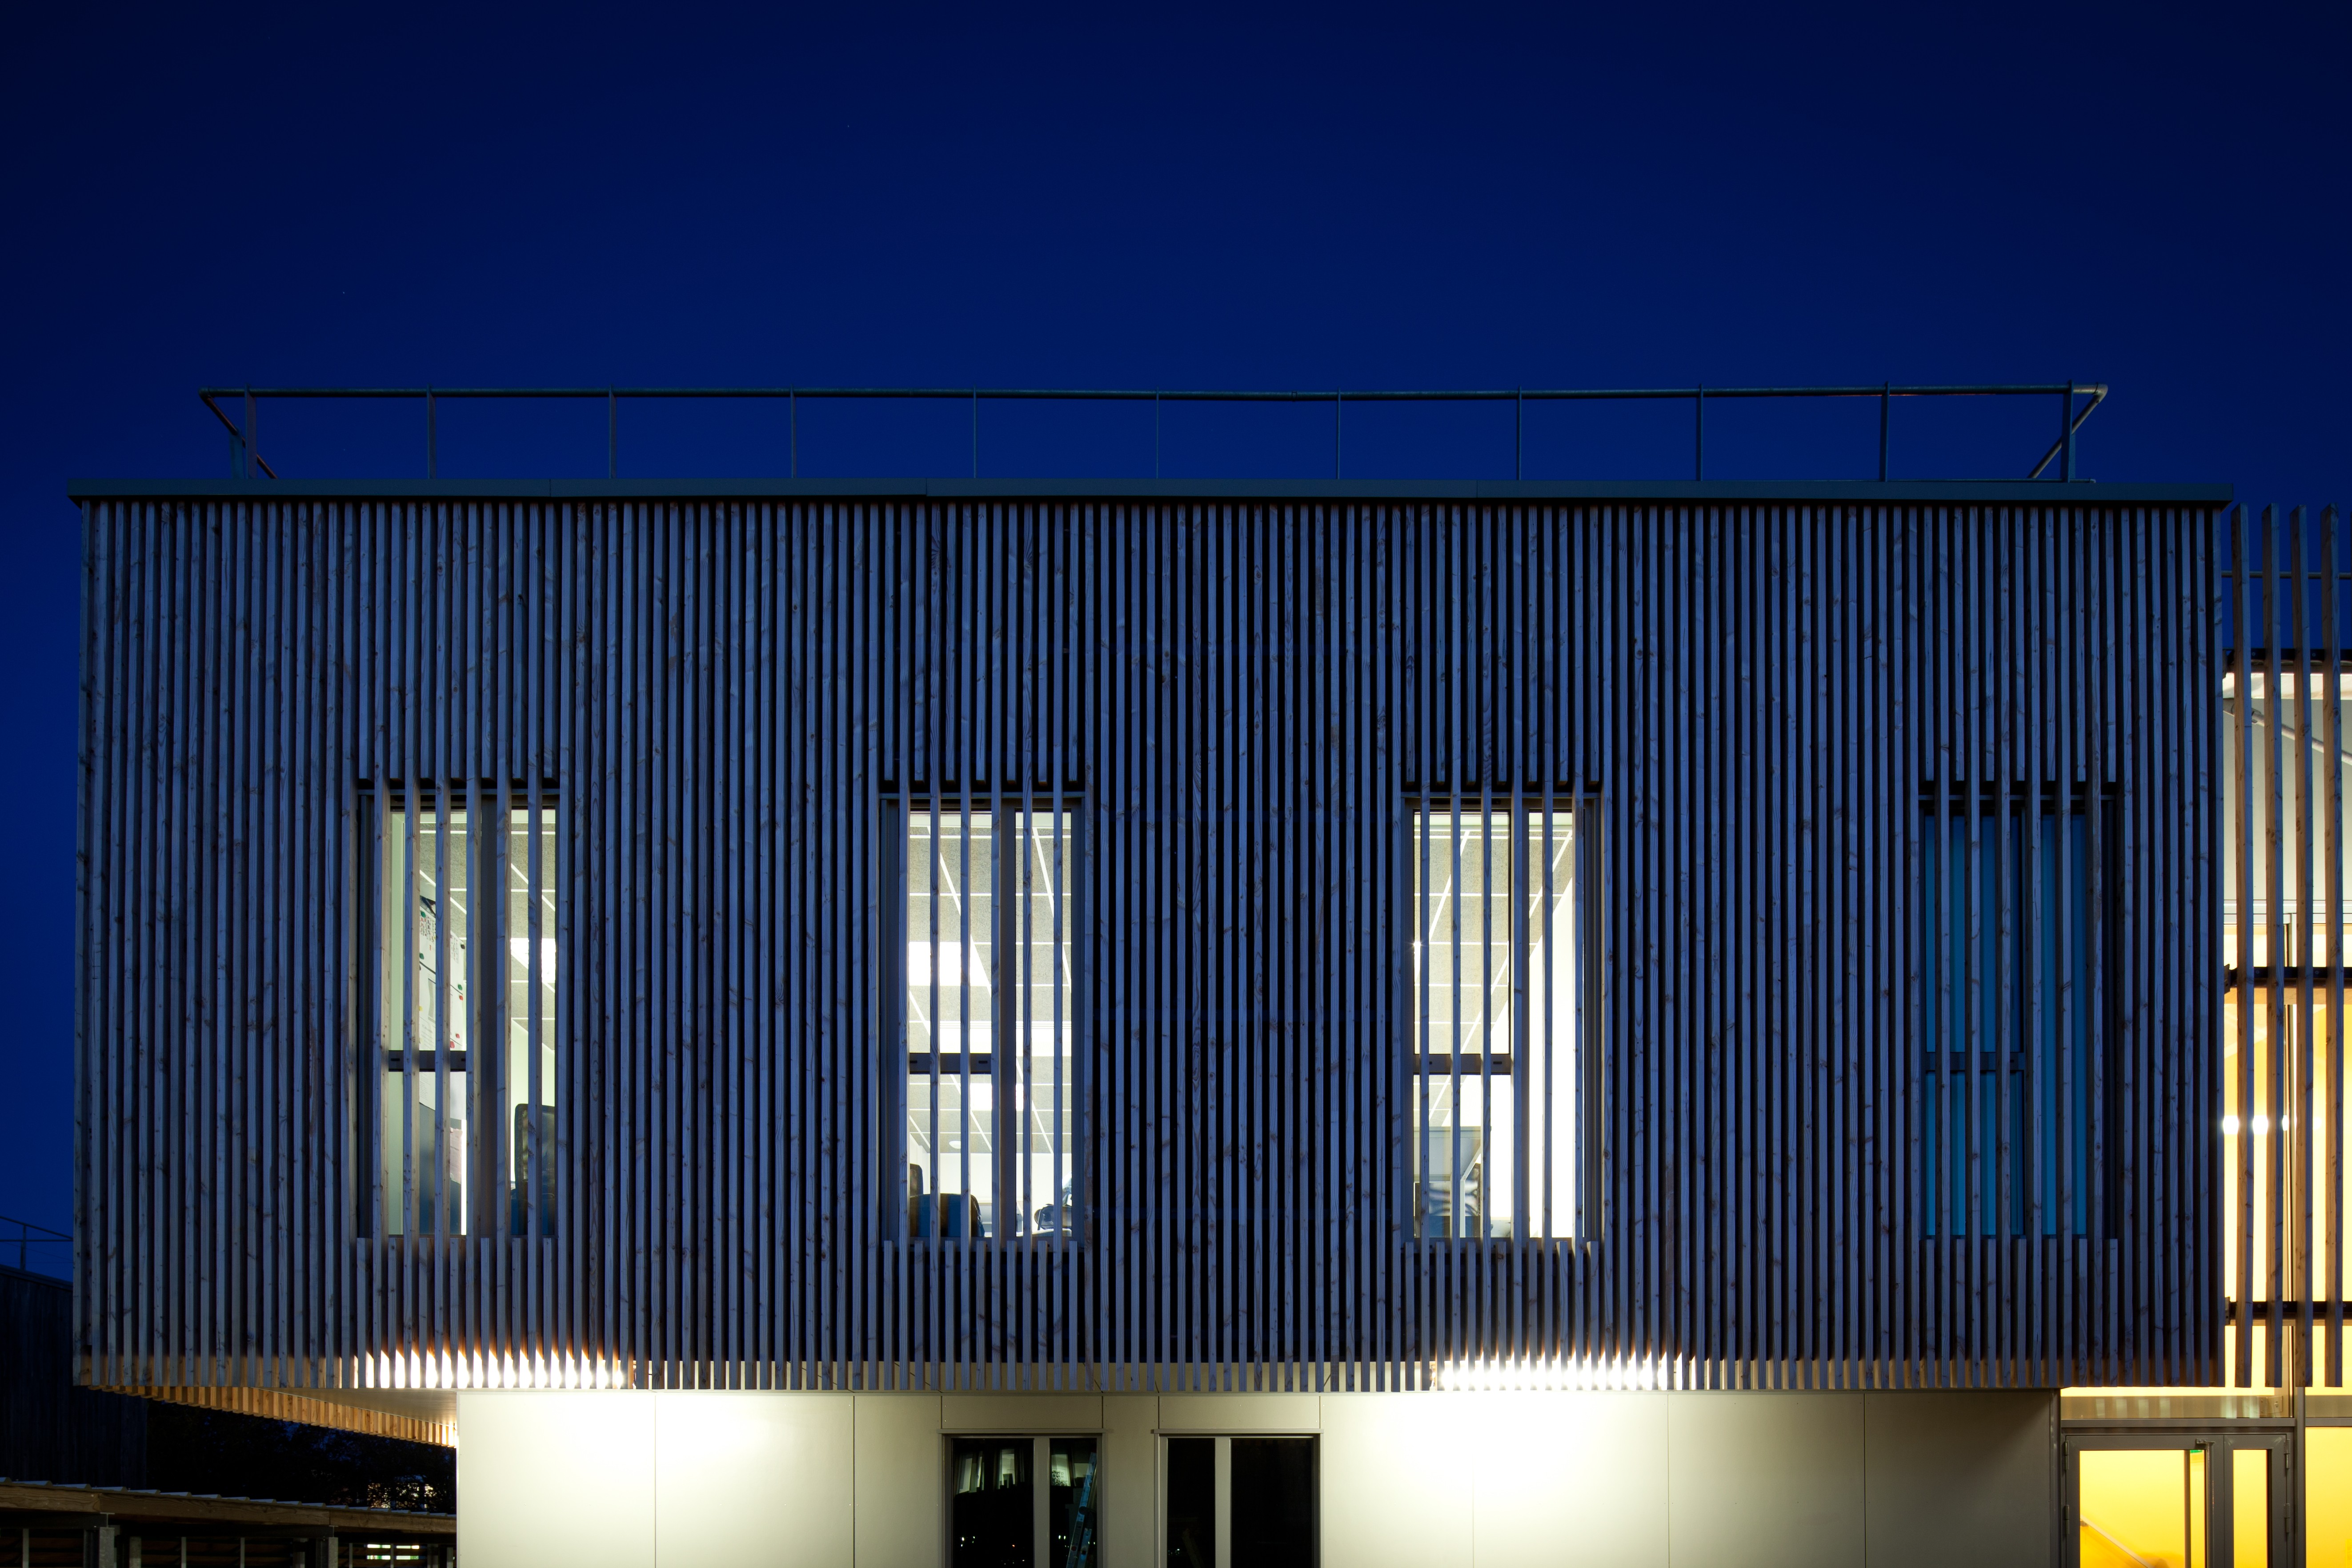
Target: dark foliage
<point x="218" y="1451"/>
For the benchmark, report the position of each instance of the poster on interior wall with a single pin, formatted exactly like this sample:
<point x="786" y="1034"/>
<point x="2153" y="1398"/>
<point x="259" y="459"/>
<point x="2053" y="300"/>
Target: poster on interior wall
<point x="428" y="979"/>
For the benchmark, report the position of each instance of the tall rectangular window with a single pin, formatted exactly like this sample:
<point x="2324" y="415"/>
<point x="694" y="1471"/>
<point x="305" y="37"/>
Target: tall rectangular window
<point x="1501" y="1011"/>
<point x="986" y="1018"/>
<point x="2007" y="998"/>
<point x="463" y="970"/>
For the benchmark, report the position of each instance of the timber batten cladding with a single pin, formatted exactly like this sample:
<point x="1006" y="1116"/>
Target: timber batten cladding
<point x="1763" y="693"/>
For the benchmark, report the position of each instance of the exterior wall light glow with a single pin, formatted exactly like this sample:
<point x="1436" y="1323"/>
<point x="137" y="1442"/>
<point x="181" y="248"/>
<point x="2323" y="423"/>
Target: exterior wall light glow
<point x="1554" y="1373"/>
<point x="411" y="1369"/>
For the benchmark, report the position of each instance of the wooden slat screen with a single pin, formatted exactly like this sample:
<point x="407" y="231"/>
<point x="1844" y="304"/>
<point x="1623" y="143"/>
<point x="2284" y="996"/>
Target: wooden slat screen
<point x="1756" y="713"/>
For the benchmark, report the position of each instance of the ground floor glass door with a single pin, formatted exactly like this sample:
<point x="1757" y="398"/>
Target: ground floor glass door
<point x="2178" y="1499"/>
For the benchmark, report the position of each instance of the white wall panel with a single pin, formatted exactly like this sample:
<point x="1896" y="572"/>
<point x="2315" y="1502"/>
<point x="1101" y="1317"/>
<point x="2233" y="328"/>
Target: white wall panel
<point x="1765" y="1481"/>
<point x="1240" y="1412"/>
<point x="1956" y="1480"/>
<point x="1568" y="1478"/>
<point x="1054" y="1415"/>
<point x="901" y="1481"/>
<point x="556" y="1480"/>
<point x="1130" y="1480"/>
<point x="1396" y="1474"/>
<point x="753" y="1481"/>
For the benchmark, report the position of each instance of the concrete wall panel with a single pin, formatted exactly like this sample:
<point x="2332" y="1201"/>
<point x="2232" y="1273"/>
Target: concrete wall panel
<point x="556" y="1480"/>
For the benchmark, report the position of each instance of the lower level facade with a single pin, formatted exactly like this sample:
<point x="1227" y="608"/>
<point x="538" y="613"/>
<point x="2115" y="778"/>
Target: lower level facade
<point x="1468" y="1480"/>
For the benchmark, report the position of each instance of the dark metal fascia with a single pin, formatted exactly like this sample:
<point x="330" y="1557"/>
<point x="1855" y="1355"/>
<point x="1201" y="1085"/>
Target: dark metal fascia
<point x="1948" y="491"/>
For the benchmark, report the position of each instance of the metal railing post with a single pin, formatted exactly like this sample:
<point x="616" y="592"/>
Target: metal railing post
<point x="1339" y="413"/>
<point x="1698" y="424"/>
<point x="2066" y="424"/>
<point x="432" y="440"/>
<point x="612" y="433"/>
<point x="975" y="432"/>
<point x="1519" y="434"/>
<point x="1886" y="414"/>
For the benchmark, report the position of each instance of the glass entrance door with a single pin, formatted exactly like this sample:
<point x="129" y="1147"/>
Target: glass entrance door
<point x="2178" y="1499"/>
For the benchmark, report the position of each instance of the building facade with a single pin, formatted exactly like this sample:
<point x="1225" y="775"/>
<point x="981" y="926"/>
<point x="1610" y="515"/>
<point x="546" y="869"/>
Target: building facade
<point x="1005" y="1022"/>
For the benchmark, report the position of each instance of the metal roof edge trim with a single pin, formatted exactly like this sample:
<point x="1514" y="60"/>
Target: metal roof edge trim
<point x="1899" y="491"/>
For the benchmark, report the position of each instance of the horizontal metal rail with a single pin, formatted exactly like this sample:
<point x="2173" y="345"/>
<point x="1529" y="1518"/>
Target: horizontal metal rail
<point x="244" y="441"/>
<point x="26" y="1236"/>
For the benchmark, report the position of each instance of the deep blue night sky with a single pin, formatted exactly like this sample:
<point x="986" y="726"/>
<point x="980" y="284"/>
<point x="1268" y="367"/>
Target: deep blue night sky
<point x="1439" y="197"/>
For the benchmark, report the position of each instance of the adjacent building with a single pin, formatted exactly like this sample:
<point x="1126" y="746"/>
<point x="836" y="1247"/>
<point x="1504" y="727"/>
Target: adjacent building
<point x="1231" y="1024"/>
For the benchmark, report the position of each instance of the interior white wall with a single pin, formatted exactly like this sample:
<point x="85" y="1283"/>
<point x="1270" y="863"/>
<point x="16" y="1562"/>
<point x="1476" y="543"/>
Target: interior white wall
<point x="621" y="1479"/>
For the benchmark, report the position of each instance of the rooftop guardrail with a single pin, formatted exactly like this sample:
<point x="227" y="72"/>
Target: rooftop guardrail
<point x="2078" y="400"/>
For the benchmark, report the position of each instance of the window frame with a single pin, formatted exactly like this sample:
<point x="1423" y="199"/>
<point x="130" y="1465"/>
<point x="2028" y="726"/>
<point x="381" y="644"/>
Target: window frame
<point x="2036" y="1179"/>
<point x="489" y="1205"/>
<point x="1582" y="810"/>
<point x="998" y="807"/>
<point x="1040" y="1443"/>
<point x="1221" y="1485"/>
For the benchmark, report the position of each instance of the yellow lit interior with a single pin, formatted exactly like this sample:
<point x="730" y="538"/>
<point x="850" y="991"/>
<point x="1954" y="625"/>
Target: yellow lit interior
<point x="2250" y="1508"/>
<point x="2327" y="1497"/>
<point x="2135" y="1507"/>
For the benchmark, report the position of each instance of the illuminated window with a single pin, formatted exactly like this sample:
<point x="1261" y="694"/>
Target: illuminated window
<point x="463" y="948"/>
<point x="1503" y="1003"/>
<point x="986" y="1014"/>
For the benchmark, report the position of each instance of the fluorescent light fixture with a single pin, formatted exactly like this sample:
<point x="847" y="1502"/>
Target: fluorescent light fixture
<point x="949" y="966"/>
